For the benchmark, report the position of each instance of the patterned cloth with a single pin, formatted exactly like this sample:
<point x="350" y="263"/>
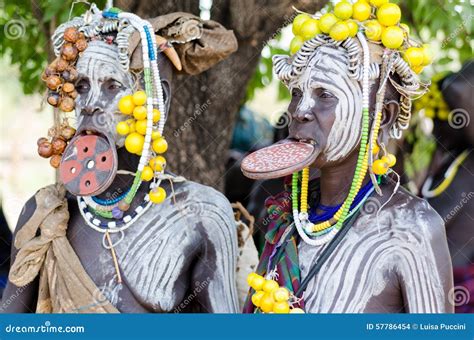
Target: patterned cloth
<point x="464" y="292"/>
<point x="280" y="217"/>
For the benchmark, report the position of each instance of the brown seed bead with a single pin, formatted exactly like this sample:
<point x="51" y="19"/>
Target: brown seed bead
<point x="66" y="104"/>
<point x="61" y="65"/>
<point x="69" y="52"/>
<point x="70" y="74"/>
<point x="58" y="145"/>
<point x="53" y="99"/>
<point x="73" y="94"/>
<point x="55" y="161"/>
<point x="68" y="132"/>
<point x="52" y="82"/>
<point x="68" y="87"/>
<point x="45" y="149"/>
<point x="124" y="206"/>
<point x="81" y="44"/>
<point x="71" y="34"/>
<point x="41" y="140"/>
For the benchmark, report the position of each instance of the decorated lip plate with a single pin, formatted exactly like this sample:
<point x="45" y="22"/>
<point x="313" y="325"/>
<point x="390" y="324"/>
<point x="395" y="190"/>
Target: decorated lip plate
<point x="279" y="160"/>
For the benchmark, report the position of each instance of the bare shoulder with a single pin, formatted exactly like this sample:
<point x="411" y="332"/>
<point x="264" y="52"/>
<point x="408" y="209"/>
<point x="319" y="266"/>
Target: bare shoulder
<point x="207" y="204"/>
<point x="410" y="218"/>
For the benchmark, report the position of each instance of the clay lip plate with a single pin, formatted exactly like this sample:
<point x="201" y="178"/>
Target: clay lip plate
<point x="279" y="160"/>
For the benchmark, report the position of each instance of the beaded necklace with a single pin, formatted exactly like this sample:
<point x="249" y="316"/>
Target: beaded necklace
<point x="115" y="209"/>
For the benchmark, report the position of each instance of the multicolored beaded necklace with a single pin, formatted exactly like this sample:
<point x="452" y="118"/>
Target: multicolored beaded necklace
<point x="91" y="207"/>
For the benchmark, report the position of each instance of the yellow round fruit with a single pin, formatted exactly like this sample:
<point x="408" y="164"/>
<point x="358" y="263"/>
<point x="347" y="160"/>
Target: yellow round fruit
<point x="266" y="303"/>
<point x="157" y="163"/>
<point x="134" y="142"/>
<point x="443" y="114"/>
<point x="405" y="28"/>
<point x="298" y="22"/>
<point x="281" y="294"/>
<point x="125" y="105"/>
<point x="373" y="30"/>
<point x="139" y="112"/>
<point x="131" y="124"/>
<point x="123" y="128"/>
<point x="250" y="277"/>
<point x="413" y="56"/>
<point x="380" y="167"/>
<point x="361" y="11"/>
<point x="418" y="69"/>
<point x="296" y="311"/>
<point x="390" y="159"/>
<point x="429" y="112"/>
<point x="155" y="134"/>
<point x="270" y="285"/>
<point x="258" y="282"/>
<point x="157" y="195"/>
<point x="375" y="149"/>
<point x="309" y="29"/>
<point x="343" y="10"/>
<point x="156" y="115"/>
<point x="139" y="98"/>
<point x="257" y="298"/>
<point x="340" y="31"/>
<point x="160" y="145"/>
<point x="392" y="37"/>
<point x="140" y="127"/>
<point x="296" y="44"/>
<point x="326" y="22"/>
<point x="353" y="28"/>
<point x="378" y="3"/>
<point x="389" y="14"/>
<point x="281" y="307"/>
<point x="147" y="174"/>
<point x="427" y="55"/>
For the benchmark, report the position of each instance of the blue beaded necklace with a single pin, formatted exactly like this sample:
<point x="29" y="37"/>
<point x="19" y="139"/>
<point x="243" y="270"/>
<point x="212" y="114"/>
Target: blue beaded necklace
<point x="109" y="202"/>
<point x="329" y="211"/>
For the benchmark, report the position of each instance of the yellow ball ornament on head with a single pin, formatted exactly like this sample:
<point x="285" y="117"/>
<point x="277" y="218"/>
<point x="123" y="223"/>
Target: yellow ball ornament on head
<point x="139" y="98"/>
<point x="140" y="127"/>
<point x="157" y="163"/>
<point x="343" y="10"/>
<point x="266" y="303"/>
<point x="340" y="31"/>
<point x="361" y="11"/>
<point x="378" y="3"/>
<point x="281" y="294"/>
<point x="373" y="30"/>
<point x="139" y="112"/>
<point x="281" y="307"/>
<point x="257" y="297"/>
<point x="389" y="14"/>
<point x="298" y="22"/>
<point x="258" y="282"/>
<point x="126" y="105"/>
<point x="309" y="29"/>
<point x="157" y="195"/>
<point x="134" y="142"/>
<point x="414" y="56"/>
<point x="147" y="174"/>
<point x="123" y="128"/>
<point x="160" y="145"/>
<point x="296" y="44"/>
<point x="353" y="28"/>
<point x="392" y="37"/>
<point x="326" y="22"/>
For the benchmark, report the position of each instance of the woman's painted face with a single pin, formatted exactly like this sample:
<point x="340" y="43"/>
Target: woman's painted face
<point x="100" y="85"/>
<point x="326" y="104"/>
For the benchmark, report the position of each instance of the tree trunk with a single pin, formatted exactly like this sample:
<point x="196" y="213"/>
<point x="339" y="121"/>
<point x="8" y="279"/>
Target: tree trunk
<point x="204" y="107"/>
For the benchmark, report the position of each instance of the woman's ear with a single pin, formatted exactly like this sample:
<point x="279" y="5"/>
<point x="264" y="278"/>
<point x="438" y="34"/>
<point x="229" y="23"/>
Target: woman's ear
<point x="390" y="112"/>
<point x="166" y="93"/>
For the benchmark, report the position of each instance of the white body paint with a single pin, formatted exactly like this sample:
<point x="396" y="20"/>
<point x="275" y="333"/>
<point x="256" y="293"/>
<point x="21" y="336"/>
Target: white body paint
<point x="386" y="268"/>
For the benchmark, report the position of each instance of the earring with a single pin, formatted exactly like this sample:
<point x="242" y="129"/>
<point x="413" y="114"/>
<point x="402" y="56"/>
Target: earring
<point x="382" y="165"/>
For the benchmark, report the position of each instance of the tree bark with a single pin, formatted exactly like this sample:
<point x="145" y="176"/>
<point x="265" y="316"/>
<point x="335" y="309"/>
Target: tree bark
<point x="204" y="107"/>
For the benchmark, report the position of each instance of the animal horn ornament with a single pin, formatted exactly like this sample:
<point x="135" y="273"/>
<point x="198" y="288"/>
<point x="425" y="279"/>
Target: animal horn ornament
<point x="372" y="45"/>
